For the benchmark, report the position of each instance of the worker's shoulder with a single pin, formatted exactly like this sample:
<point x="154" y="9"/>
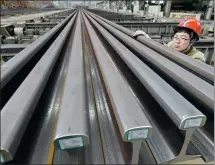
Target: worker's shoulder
<point x="196" y="54"/>
<point x="169" y="44"/>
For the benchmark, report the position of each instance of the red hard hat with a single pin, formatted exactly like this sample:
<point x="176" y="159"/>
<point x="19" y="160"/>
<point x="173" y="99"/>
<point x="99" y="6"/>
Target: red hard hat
<point x="192" y="24"/>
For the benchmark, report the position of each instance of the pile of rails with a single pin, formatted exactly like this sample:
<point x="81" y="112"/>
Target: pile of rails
<point x="163" y="31"/>
<point x="15" y="37"/>
<point x="20" y="4"/>
<point x="12" y="12"/>
<point x="87" y="92"/>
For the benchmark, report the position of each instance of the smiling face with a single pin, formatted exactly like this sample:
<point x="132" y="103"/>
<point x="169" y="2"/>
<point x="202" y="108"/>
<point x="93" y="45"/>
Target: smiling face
<point x="181" y="41"/>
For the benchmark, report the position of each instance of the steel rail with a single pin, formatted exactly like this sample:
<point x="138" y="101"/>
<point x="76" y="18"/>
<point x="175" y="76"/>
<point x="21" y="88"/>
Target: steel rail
<point x="122" y="51"/>
<point x="94" y="153"/>
<point x="199" y="68"/>
<point x="175" y="105"/>
<point x="21" y="105"/>
<point x="148" y="23"/>
<point x="13" y="66"/>
<point x="201" y="43"/>
<point x="12" y="48"/>
<point x="204" y="143"/>
<point x="162" y="28"/>
<point x="40" y="25"/>
<point x="195" y="86"/>
<point x="112" y="144"/>
<point x="205" y="152"/>
<point x="133" y="129"/>
<point x="40" y="148"/>
<point x="139" y="20"/>
<point x="71" y="131"/>
<point x="42" y="125"/>
<point x="111" y="14"/>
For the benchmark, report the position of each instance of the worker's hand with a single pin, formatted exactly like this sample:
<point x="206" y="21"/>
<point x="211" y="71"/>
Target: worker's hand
<point x="140" y="32"/>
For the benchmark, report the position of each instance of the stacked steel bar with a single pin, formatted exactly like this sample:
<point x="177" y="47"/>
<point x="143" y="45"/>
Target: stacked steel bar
<point x="111" y="99"/>
<point x="20" y="106"/>
<point x="202" y="70"/>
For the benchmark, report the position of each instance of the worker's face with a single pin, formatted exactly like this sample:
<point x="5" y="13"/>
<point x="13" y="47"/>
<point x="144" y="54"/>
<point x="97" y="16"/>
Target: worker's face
<point x="181" y="41"/>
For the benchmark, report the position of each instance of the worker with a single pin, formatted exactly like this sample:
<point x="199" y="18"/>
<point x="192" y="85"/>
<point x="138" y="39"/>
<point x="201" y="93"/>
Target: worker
<point x="185" y="34"/>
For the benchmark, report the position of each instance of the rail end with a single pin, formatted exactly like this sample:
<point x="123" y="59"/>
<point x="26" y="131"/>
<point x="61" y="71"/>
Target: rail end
<point x="137" y="133"/>
<point x="71" y="142"/>
<point x="192" y="122"/>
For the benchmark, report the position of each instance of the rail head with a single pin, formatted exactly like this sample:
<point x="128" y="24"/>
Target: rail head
<point x="71" y="142"/>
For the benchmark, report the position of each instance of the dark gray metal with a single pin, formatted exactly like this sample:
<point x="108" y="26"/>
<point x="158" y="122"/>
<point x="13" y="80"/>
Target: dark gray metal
<point x="111" y="142"/>
<point x="133" y="129"/>
<point x="204" y="143"/>
<point x="21" y="105"/>
<point x="10" y="68"/>
<point x="176" y="106"/>
<point x="155" y="145"/>
<point x="140" y="20"/>
<point x="42" y="151"/>
<point x="109" y="14"/>
<point x="12" y="48"/>
<point x="199" y="68"/>
<point x="122" y="51"/>
<point x="93" y="152"/>
<point x="67" y="157"/>
<point x="117" y="88"/>
<point x="40" y="25"/>
<point x="162" y="28"/>
<point x="163" y="151"/>
<point x="71" y="131"/>
<point x="198" y="88"/>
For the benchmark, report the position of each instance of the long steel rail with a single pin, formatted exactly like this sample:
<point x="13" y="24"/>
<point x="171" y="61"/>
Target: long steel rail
<point x="114" y="101"/>
<point x="123" y="52"/>
<point x="71" y="131"/>
<point x="21" y="105"/>
<point x="198" y="68"/>
<point x="10" y="68"/>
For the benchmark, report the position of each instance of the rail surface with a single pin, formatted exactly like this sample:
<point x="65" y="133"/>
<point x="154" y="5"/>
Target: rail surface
<point x="88" y="92"/>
